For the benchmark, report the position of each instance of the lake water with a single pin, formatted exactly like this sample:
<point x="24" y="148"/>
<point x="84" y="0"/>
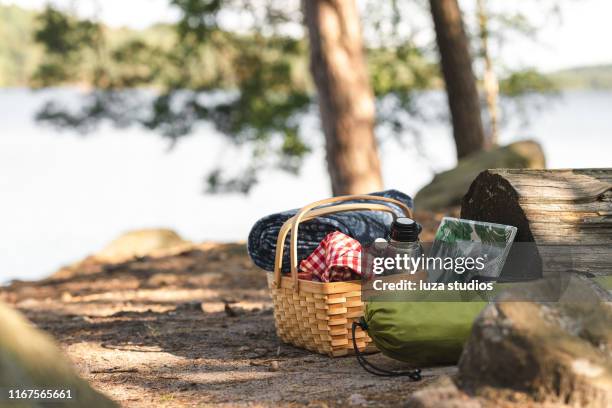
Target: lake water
<point x="63" y="196"/>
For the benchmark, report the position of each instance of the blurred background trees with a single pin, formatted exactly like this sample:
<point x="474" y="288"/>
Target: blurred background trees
<point x="229" y="88"/>
<point x="346" y="101"/>
<point x="253" y="84"/>
<point x="456" y="64"/>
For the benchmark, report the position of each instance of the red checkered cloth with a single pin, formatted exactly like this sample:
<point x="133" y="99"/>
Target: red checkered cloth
<point x="337" y="258"/>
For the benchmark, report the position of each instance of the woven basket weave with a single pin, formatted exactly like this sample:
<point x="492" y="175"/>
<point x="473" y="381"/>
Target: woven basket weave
<point x="318" y="316"/>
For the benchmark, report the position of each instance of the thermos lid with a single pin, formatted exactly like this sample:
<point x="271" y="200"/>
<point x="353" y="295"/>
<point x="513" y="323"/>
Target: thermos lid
<point x="405" y="229"/>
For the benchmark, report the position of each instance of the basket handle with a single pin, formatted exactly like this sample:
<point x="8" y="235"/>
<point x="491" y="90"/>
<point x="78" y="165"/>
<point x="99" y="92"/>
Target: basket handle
<point x="311" y="211"/>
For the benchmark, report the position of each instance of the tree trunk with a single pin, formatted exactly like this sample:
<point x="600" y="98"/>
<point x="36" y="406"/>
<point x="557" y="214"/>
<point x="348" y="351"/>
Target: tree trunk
<point x="458" y="76"/>
<point x="346" y="101"/>
<point x="490" y="82"/>
<point x="567" y="213"/>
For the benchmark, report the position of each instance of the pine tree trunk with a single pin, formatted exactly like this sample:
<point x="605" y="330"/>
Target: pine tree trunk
<point x="458" y="76"/>
<point x="490" y="82"/>
<point x="346" y="101"/>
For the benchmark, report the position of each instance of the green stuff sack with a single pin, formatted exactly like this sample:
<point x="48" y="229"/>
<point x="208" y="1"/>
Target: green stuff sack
<point x="421" y="333"/>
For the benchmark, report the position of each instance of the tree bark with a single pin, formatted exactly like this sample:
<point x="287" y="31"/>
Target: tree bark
<point x="346" y="101"/>
<point x="567" y="213"/>
<point x="458" y="75"/>
<point x="489" y="80"/>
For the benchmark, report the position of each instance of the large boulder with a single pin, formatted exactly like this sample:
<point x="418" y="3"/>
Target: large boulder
<point x="30" y="359"/>
<point x="530" y="354"/>
<point x="448" y="188"/>
<point x="553" y="352"/>
<point x="139" y="243"/>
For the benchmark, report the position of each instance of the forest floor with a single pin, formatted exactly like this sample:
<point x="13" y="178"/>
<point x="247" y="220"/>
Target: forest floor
<point x="194" y="327"/>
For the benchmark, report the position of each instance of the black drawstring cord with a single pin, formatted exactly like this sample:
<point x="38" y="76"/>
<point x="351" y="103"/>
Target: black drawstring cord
<point x="415" y="374"/>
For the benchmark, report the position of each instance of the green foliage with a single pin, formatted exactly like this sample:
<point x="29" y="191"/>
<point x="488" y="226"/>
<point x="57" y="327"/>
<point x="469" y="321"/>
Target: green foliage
<point x="67" y="42"/>
<point x="264" y="82"/>
<point x="401" y="70"/>
<point x="63" y="35"/>
<point x="253" y="85"/>
<point x="198" y="17"/>
<point x="593" y="77"/>
<point x="525" y="82"/>
<point x="19" y="55"/>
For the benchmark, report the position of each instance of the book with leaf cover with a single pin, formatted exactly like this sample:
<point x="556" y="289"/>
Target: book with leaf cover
<point x="458" y="238"/>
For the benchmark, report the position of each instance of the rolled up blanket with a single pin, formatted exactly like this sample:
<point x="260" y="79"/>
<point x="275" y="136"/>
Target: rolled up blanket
<point x="364" y="226"/>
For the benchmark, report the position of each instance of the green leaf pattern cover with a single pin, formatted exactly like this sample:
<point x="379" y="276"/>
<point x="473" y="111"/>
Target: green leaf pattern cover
<point x="458" y="238"/>
<point x="454" y="229"/>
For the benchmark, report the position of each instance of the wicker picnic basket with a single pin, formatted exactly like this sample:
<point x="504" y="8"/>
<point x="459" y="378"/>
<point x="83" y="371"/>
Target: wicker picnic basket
<point x="318" y="316"/>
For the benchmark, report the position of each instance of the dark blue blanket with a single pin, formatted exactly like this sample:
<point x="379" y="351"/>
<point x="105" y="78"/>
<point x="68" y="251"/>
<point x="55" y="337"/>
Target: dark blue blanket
<point x="364" y="226"/>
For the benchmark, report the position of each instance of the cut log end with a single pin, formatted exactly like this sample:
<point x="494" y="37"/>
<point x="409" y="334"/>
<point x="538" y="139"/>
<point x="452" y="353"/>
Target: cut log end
<point x="492" y="198"/>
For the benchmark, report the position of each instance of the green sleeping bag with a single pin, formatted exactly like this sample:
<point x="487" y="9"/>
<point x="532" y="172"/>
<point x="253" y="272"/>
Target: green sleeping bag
<point x="421" y="333"/>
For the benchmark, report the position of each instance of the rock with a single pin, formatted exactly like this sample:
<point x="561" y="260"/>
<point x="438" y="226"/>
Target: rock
<point x="274" y="366"/>
<point x="357" y="400"/>
<point x="138" y="243"/>
<point x="442" y="394"/>
<point x="29" y="359"/>
<point x="448" y="188"/>
<point x="193" y="306"/>
<point x="555" y="352"/>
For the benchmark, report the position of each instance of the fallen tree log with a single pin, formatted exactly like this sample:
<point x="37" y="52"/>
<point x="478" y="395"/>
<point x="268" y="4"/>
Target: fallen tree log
<point x="447" y="188"/>
<point x="565" y="212"/>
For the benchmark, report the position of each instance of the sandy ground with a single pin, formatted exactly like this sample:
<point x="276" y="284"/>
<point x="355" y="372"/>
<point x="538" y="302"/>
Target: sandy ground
<point x="193" y="327"/>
